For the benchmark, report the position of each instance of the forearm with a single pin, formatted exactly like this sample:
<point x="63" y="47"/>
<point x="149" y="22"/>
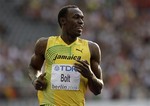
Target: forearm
<point x="95" y="84"/>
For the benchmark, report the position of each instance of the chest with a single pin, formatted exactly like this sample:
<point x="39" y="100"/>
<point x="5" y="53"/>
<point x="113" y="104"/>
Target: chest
<point x="66" y="54"/>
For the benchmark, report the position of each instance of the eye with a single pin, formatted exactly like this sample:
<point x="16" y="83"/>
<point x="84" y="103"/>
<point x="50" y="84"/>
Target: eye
<point x="77" y="16"/>
<point x="82" y="17"/>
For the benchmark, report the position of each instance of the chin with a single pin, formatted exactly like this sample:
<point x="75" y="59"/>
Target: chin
<point x="78" y="34"/>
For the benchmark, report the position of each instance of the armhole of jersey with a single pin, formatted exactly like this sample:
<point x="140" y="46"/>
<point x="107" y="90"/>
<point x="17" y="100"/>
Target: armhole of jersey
<point x="49" y="42"/>
<point x="87" y="44"/>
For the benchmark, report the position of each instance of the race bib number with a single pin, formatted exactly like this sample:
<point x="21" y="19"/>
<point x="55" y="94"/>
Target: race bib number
<point x="64" y="77"/>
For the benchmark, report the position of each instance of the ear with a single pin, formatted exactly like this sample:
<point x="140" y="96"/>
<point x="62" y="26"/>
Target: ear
<point x="63" y="21"/>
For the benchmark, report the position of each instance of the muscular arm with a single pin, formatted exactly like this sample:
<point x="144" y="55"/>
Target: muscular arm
<point x="95" y="81"/>
<point x="37" y="58"/>
<point x="92" y="71"/>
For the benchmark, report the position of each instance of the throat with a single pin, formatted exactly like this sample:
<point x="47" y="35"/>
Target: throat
<point x="68" y="39"/>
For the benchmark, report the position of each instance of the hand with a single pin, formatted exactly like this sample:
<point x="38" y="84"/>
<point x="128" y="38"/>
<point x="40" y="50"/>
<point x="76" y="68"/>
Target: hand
<point x="40" y="83"/>
<point x="84" y="68"/>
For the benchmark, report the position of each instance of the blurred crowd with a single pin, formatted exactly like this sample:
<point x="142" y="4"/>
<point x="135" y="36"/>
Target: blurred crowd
<point x="120" y="27"/>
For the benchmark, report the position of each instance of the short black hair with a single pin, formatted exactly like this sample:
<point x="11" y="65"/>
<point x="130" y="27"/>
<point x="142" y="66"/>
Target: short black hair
<point x="63" y="11"/>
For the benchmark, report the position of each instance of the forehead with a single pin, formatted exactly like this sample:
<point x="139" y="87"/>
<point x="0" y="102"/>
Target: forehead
<point x="75" y="11"/>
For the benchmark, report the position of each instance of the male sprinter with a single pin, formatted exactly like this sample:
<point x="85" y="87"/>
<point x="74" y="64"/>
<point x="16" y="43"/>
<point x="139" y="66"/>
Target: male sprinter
<point x="71" y="64"/>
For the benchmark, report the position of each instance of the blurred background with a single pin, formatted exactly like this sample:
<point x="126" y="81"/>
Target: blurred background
<point x="120" y="27"/>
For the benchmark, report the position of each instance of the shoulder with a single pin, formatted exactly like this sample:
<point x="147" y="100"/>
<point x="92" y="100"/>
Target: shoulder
<point x="90" y="43"/>
<point x="93" y="45"/>
<point x="41" y="40"/>
<point x="40" y="45"/>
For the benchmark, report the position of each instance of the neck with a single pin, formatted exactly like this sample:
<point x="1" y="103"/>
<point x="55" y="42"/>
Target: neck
<point x="68" y="39"/>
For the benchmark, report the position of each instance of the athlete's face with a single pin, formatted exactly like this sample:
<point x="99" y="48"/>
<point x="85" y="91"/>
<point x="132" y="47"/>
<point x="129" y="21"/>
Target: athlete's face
<point x="74" y="22"/>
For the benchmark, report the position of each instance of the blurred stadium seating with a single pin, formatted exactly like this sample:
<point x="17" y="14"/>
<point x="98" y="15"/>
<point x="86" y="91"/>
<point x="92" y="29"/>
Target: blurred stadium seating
<point x="120" y="27"/>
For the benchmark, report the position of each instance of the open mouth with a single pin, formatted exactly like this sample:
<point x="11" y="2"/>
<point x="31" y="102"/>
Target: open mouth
<point x="80" y="29"/>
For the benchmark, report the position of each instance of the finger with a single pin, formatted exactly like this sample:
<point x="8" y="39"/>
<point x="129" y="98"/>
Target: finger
<point x="41" y="87"/>
<point x="40" y="82"/>
<point x="78" y="66"/>
<point x="44" y="86"/>
<point x="79" y="70"/>
<point x="84" y="62"/>
<point x="38" y="86"/>
<point x="81" y="66"/>
<point x="42" y="75"/>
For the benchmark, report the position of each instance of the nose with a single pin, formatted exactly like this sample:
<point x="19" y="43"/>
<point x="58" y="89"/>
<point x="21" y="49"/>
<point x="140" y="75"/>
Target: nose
<point x="81" y="21"/>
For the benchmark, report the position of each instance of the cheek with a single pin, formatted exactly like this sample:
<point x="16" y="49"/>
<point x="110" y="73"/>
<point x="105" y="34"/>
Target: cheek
<point x="71" y="24"/>
<point x="71" y="27"/>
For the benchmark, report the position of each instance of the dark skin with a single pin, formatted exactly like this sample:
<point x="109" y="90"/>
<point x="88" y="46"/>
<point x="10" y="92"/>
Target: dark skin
<point x="72" y="26"/>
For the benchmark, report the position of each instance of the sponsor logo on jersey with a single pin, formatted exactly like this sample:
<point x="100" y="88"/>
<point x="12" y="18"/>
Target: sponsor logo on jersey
<point x="64" y="68"/>
<point x="80" y="50"/>
<point x="65" y="57"/>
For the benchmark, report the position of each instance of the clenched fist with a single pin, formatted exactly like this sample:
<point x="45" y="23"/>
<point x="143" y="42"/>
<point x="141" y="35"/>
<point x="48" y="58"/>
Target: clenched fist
<point x="40" y="83"/>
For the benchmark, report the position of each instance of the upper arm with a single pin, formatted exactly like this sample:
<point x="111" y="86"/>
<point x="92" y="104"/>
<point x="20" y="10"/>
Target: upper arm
<point x="95" y="59"/>
<point x="38" y="57"/>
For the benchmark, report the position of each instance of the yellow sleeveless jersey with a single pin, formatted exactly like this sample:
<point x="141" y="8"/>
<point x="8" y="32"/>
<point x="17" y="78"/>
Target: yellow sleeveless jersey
<point x="66" y="86"/>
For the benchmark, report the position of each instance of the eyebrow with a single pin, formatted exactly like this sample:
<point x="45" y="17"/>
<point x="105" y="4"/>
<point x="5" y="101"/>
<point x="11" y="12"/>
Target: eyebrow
<point x="78" y="15"/>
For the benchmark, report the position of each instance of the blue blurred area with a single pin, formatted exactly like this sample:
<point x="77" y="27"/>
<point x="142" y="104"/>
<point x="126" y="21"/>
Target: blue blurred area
<point x="120" y="27"/>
